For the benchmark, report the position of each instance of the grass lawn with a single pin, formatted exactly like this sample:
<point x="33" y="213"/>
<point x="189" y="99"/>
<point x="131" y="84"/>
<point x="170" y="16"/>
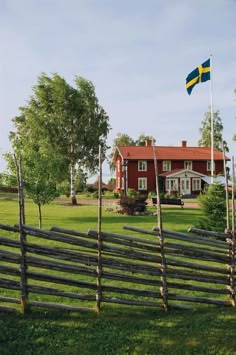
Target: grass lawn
<point x="117" y="329"/>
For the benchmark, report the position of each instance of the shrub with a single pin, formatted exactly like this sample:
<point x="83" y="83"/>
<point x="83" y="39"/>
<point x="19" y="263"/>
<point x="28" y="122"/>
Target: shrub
<point x="91" y="188"/>
<point x="8" y="189"/>
<point x="132" y="193"/>
<point x="214" y="208"/>
<point x="132" y="205"/>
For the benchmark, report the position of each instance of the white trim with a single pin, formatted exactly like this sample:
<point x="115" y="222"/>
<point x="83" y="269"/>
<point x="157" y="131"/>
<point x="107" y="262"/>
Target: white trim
<point x="142" y="181"/>
<point x="118" y="165"/>
<point x="185" y="185"/>
<point x="168" y="163"/>
<point x="140" y="163"/>
<point x="196" y="181"/>
<point x="118" y="182"/>
<point x="188" y="163"/>
<point x="209" y="166"/>
<point x="172" y="184"/>
<point x="181" y="173"/>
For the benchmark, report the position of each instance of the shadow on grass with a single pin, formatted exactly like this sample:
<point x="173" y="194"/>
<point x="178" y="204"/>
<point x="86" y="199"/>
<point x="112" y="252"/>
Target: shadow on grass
<point x="120" y="331"/>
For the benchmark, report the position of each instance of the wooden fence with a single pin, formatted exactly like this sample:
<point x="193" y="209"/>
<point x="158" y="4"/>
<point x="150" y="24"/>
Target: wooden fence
<point x="79" y="271"/>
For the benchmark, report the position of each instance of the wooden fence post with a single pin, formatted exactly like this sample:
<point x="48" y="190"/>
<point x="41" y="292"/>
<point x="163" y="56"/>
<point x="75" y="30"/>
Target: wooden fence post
<point x="23" y="266"/>
<point x="232" y="244"/>
<point x="163" y="288"/>
<point x="99" y="237"/>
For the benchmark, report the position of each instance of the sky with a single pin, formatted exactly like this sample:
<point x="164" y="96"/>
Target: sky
<point x="136" y="53"/>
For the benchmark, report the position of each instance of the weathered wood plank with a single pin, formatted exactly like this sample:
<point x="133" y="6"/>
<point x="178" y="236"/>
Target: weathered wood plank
<point x="204" y="300"/>
<point x="63" y="307"/>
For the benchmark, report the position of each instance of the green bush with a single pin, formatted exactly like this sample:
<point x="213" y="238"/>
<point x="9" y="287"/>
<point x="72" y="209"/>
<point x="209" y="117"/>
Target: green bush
<point x="213" y="205"/>
<point x="132" y="205"/>
<point x="132" y="193"/>
<point x="91" y="188"/>
<point x="8" y="189"/>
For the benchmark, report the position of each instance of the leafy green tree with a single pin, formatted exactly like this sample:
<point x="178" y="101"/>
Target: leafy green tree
<point x="80" y="180"/>
<point x="39" y="178"/>
<point x="205" y="130"/>
<point x="213" y="205"/>
<point x="121" y="139"/>
<point x="141" y="141"/>
<point x="64" y="188"/>
<point x="9" y="178"/>
<point x="66" y="121"/>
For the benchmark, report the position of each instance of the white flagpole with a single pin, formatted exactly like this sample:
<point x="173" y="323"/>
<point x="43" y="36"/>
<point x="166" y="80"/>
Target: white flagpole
<point x="212" y="122"/>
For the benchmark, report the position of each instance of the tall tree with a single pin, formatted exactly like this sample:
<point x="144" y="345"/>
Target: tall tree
<point x="205" y="130"/>
<point x="67" y="121"/>
<point x="142" y="138"/>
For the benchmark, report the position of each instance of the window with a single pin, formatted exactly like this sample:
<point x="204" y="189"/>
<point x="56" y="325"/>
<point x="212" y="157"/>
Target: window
<point x="188" y="165"/>
<point x="142" y="165"/>
<point x="122" y="183"/>
<point x="118" y="182"/>
<point x="196" y="182"/>
<point x="118" y="166"/>
<point x="209" y="165"/>
<point x="166" y="165"/>
<point x="142" y="183"/>
<point x="172" y="184"/>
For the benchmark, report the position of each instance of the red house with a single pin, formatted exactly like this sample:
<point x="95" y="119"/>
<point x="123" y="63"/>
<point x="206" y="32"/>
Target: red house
<point x="180" y="169"/>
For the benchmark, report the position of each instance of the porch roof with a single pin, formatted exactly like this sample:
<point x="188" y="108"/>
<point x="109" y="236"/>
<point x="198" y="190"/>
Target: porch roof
<point x="182" y="173"/>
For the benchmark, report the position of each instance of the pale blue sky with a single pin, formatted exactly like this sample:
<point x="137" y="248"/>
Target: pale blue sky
<point x="137" y="54"/>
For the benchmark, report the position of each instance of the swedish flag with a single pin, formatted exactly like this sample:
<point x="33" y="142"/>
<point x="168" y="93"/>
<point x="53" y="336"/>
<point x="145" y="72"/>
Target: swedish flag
<point x="198" y="75"/>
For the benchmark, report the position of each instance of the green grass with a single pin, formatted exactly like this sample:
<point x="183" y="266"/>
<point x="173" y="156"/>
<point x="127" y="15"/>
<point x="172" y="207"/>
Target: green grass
<point x="117" y="329"/>
<point x="82" y="217"/>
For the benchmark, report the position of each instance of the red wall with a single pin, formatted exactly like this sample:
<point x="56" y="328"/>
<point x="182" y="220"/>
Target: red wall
<point x="134" y="174"/>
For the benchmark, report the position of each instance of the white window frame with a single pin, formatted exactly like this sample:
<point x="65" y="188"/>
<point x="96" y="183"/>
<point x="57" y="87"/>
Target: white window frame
<point x="196" y="184"/>
<point x="172" y="185"/>
<point x="122" y="183"/>
<point x="166" y="165"/>
<point x="142" y="183"/>
<point x="188" y="165"/>
<point x="118" y="182"/>
<point x="118" y="166"/>
<point x="142" y="165"/>
<point x="209" y="165"/>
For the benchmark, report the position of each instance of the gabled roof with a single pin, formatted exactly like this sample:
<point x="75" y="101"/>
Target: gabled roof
<point x="180" y="172"/>
<point x="167" y="153"/>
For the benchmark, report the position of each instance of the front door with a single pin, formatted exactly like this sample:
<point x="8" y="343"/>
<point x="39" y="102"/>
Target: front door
<point x="185" y="186"/>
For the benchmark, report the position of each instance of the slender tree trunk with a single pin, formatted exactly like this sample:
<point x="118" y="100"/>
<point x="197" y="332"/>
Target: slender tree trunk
<point x="23" y="264"/>
<point x="72" y="185"/>
<point x="40" y="215"/>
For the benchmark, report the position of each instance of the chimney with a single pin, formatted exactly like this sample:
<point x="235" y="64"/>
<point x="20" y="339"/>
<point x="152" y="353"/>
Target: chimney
<point x="148" y="143"/>
<point x="184" y="144"/>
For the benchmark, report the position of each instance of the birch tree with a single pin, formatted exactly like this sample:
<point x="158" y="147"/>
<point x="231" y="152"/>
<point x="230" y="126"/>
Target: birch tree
<point x="205" y="131"/>
<point x="65" y="120"/>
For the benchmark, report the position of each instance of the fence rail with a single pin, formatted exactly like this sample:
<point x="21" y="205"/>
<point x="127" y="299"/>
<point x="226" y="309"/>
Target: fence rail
<point x="60" y="268"/>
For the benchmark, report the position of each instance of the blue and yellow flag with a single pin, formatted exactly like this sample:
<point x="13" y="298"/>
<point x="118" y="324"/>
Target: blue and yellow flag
<point x="199" y="75"/>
